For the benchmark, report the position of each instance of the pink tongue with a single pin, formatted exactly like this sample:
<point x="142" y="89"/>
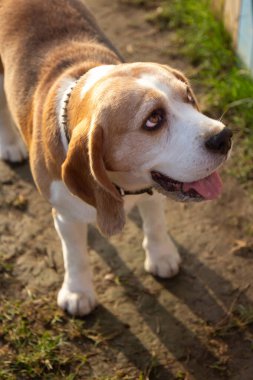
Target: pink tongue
<point x="209" y="187"/>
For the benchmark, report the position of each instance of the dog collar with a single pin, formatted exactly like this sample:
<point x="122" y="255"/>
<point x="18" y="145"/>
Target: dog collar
<point x="63" y="119"/>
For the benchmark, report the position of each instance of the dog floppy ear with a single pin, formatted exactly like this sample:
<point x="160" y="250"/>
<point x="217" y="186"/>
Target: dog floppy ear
<point x="84" y="173"/>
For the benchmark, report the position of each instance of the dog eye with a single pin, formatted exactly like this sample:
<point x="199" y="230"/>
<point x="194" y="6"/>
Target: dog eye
<point x="155" y="120"/>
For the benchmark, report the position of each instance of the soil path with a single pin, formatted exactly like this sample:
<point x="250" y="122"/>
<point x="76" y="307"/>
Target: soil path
<point x="167" y="328"/>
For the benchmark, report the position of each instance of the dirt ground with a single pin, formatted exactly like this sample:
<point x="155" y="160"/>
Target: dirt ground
<point x="197" y="325"/>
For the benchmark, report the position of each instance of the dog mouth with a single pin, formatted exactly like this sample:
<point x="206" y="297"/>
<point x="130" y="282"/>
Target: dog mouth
<point x="206" y="188"/>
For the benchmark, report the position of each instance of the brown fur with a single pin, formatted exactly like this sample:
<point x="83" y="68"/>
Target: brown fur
<point x="64" y="37"/>
<point x="41" y="42"/>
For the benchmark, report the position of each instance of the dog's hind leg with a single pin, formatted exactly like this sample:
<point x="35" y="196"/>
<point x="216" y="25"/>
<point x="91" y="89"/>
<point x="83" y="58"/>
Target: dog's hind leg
<point x="162" y="257"/>
<point x="12" y="147"/>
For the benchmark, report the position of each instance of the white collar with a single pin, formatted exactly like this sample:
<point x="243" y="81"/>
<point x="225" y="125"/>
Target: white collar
<point x="63" y="110"/>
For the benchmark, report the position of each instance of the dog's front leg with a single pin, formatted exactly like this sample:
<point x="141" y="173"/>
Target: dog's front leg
<point x="162" y="257"/>
<point x="77" y="295"/>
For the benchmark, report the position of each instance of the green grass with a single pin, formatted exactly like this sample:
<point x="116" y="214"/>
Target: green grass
<point x="238" y="319"/>
<point x="5" y="267"/>
<point x="37" y="342"/>
<point x="227" y="85"/>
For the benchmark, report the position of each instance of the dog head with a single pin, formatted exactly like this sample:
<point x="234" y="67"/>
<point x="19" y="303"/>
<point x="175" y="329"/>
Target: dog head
<point x="139" y="126"/>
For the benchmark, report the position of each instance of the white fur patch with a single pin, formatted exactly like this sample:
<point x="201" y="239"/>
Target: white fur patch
<point x="162" y="257"/>
<point x="94" y="75"/>
<point x="184" y="156"/>
<point x="151" y="82"/>
<point x="77" y="295"/>
<point x="68" y="204"/>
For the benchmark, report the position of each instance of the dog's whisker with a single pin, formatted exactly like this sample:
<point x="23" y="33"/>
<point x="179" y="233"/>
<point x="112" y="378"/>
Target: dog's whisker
<point x="234" y="104"/>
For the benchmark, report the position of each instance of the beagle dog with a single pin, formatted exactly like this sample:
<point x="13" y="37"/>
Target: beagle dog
<point x="102" y="135"/>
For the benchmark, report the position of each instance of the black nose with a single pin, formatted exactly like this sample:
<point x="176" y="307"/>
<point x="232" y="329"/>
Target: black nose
<point x="220" y="143"/>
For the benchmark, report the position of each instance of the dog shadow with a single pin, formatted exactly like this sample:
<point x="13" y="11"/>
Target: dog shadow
<point x="206" y="293"/>
<point x="181" y="342"/>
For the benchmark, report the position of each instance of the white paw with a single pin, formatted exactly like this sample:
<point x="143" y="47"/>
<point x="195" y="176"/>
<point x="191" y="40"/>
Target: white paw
<point x="162" y="261"/>
<point x="14" y="152"/>
<point x="76" y="303"/>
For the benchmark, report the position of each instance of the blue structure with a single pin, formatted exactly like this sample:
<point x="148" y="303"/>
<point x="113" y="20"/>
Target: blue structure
<point x="245" y="33"/>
